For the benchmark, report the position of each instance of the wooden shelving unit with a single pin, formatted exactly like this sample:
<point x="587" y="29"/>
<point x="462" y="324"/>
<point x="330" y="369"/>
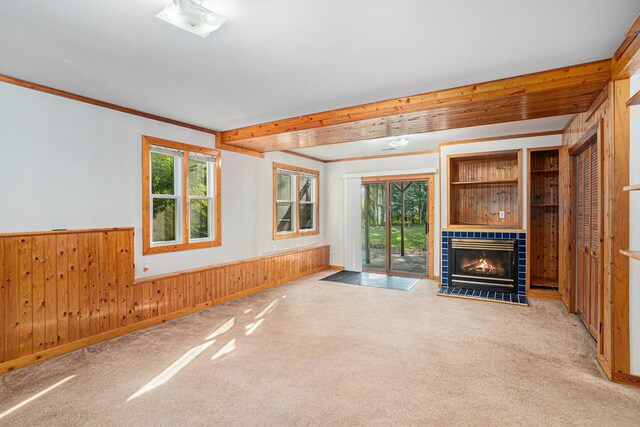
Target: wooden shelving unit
<point x="481" y="186"/>
<point x="628" y="252"/>
<point x="634" y="100"/>
<point x="543" y="223"/>
<point x="494" y="182"/>
<point x="631" y="254"/>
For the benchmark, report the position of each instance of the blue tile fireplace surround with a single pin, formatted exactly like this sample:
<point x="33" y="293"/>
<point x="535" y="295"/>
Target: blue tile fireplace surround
<point x="518" y="235"/>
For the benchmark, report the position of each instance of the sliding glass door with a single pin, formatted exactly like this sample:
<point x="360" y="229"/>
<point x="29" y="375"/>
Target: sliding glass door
<point x="395" y="226"/>
<point x="374" y="227"/>
<point x="408" y="220"/>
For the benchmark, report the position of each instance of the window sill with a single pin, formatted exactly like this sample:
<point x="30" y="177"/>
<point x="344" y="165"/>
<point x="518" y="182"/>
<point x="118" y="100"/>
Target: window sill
<point x="150" y="250"/>
<point x="277" y="236"/>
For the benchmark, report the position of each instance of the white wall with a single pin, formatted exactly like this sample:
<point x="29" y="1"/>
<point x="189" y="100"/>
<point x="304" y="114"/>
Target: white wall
<point x="335" y="195"/>
<point x="480" y="147"/>
<point x="634" y="234"/>
<point x="67" y="164"/>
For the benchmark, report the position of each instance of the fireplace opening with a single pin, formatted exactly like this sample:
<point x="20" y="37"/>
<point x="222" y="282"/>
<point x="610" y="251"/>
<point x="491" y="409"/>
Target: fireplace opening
<point x="483" y="264"/>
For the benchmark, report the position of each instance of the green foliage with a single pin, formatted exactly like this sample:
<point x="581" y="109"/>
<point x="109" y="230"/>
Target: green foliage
<point x="197" y="178"/>
<point x="199" y="209"/>
<point x="165" y="210"/>
<point x="162" y="174"/>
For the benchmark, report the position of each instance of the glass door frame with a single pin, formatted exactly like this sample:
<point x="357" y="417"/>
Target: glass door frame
<point x="388" y="181"/>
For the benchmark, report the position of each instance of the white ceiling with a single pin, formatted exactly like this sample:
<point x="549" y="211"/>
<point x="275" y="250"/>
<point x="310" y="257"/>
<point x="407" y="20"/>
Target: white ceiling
<point x="275" y="59"/>
<point x="431" y="140"/>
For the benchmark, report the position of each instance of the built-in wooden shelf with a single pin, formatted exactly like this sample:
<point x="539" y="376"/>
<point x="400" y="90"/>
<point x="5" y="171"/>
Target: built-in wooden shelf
<point x="635" y="187"/>
<point x="484" y="189"/>
<point x="634" y="100"/>
<point x="543" y="222"/>
<point x="492" y="182"/>
<point x="544" y="282"/>
<point x="631" y="254"/>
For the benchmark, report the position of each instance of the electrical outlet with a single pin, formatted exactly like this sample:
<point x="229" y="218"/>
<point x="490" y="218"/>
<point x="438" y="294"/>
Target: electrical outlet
<point x="501" y="214"/>
<point x="334" y="253"/>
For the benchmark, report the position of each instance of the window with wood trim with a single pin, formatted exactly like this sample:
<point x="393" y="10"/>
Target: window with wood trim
<point x="296" y="201"/>
<point x="180" y="196"/>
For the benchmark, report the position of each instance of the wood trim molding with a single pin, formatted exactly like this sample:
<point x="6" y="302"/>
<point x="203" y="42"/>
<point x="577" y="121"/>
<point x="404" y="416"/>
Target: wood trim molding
<point x="618" y="216"/>
<point x="397" y="178"/>
<point x="601" y="99"/>
<point x="147" y="248"/>
<point x="503" y="137"/>
<point x="55" y="232"/>
<point x="304" y="156"/>
<point x="299" y="171"/>
<point x="337" y="267"/>
<point x="586" y="138"/>
<point x="382" y="156"/>
<point x="51" y="91"/>
<point x="626" y="379"/>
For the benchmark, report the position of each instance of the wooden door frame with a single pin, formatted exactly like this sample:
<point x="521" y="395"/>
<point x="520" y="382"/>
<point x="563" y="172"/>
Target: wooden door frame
<point x="388" y="180"/>
<point x="595" y="132"/>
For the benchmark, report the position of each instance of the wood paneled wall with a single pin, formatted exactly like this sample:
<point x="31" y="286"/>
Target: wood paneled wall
<point x="63" y="286"/>
<point x="613" y="339"/>
<point x="61" y="291"/>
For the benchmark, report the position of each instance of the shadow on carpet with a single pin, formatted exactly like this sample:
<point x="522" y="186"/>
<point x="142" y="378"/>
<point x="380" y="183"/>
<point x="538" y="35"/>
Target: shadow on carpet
<point x="374" y="280"/>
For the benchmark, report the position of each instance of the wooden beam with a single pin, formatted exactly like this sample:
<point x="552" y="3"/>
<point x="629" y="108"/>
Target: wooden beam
<point x="626" y="60"/>
<point x="561" y="91"/>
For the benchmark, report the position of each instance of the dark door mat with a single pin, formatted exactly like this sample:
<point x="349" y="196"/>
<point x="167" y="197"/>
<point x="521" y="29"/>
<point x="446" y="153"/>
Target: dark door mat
<point x="374" y="280"/>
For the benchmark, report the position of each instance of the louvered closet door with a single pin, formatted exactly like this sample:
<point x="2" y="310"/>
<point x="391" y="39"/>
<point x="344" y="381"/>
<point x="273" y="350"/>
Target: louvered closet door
<point x="588" y="237"/>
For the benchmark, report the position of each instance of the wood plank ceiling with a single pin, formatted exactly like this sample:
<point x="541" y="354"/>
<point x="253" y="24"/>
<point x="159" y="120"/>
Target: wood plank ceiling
<point x="550" y="93"/>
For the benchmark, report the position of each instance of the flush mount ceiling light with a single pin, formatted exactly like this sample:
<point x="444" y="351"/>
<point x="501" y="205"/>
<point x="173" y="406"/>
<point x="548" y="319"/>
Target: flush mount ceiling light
<point x="192" y="16"/>
<point x="401" y="142"/>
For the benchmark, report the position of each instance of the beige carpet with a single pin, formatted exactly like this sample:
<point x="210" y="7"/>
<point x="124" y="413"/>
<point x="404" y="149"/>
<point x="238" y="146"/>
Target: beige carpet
<point x="320" y="353"/>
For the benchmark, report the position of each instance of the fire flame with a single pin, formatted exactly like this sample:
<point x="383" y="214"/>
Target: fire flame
<point x="482" y="265"/>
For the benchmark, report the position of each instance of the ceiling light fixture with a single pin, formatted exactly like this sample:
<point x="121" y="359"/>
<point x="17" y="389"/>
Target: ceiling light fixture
<point x="192" y="16"/>
<point x="401" y="142"/>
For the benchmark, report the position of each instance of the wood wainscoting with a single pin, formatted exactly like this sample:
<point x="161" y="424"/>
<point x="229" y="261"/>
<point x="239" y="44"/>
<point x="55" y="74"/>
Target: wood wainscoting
<point x="64" y="290"/>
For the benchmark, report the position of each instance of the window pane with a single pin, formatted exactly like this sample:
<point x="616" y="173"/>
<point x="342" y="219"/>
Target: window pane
<point x="197" y="178"/>
<point x="285" y="183"/>
<point x="164" y="220"/>
<point x="307" y="212"/>
<point x="199" y="219"/>
<point x="306" y="188"/>
<point x="285" y="217"/>
<point x="162" y="168"/>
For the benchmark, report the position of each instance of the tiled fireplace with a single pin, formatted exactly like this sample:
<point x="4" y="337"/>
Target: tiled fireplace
<point x="486" y="264"/>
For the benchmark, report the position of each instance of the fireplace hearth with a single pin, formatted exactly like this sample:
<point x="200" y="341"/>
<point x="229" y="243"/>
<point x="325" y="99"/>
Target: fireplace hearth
<point x="484" y="264"/>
